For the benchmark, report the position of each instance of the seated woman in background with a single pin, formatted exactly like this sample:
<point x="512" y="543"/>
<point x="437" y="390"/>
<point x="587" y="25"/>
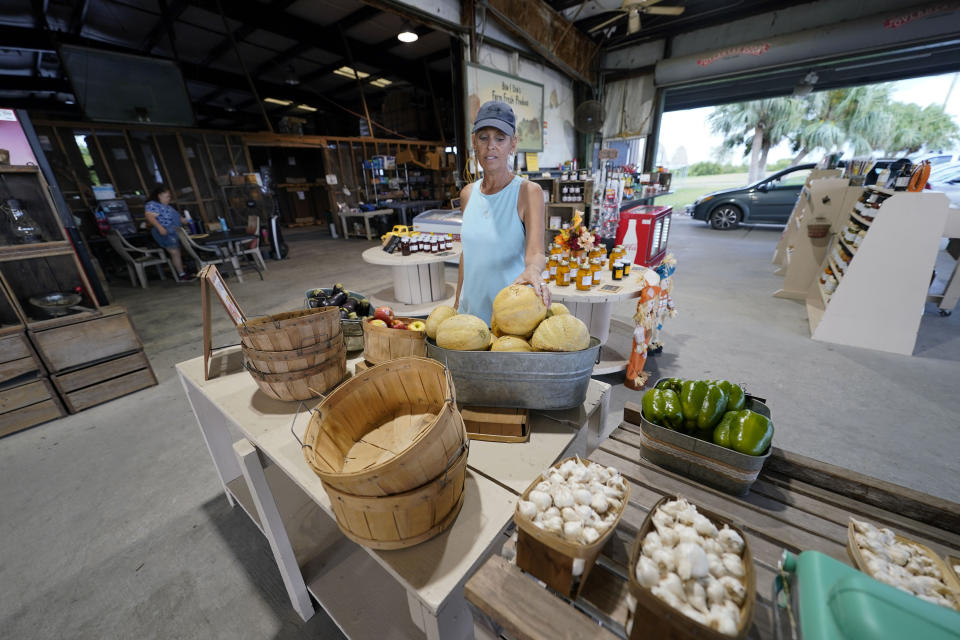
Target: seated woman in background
<point x="164" y="221"/>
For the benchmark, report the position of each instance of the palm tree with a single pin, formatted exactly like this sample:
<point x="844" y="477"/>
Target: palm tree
<point x="858" y="116"/>
<point x="914" y="128"/>
<point x="757" y="125"/>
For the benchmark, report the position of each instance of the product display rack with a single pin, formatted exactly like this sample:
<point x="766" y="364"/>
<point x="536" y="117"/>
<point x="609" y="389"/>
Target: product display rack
<point x="878" y="289"/>
<point x="790" y="232"/>
<point x="823" y="201"/>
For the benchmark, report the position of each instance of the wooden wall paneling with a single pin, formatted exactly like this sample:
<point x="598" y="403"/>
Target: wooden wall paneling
<point x="136" y="165"/>
<point x="104" y="164"/>
<point x="233" y="162"/>
<point x="197" y="193"/>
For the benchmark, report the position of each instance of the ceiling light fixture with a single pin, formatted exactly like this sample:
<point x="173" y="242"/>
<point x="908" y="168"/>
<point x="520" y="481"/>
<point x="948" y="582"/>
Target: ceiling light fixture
<point x="381" y="82"/>
<point x="284" y="103"/>
<point x="228" y="105"/>
<point x="306" y="107"/>
<point x="407" y="34"/>
<point x="348" y="72"/>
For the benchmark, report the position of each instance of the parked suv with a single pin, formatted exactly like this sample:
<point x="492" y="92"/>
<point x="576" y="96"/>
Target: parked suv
<point x="769" y="200"/>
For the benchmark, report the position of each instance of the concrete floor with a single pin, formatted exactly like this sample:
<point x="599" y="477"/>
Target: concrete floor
<point x="114" y="526"/>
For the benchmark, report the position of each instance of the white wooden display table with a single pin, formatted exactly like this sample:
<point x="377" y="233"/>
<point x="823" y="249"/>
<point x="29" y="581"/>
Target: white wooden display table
<point x="418" y="281"/>
<point x="345" y="214"/>
<point x="595" y="308"/>
<point x="408" y="593"/>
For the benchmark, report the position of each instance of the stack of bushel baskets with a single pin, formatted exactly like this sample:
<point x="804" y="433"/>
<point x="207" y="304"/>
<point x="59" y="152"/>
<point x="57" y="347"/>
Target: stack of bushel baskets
<point x="391" y="449"/>
<point x="295" y="355"/>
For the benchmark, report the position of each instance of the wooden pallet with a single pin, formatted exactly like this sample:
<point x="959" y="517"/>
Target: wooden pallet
<point x="796" y="504"/>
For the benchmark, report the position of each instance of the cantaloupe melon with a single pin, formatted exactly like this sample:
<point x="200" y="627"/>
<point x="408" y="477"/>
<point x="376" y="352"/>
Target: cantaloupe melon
<point x="436" y="317"/>
<point x="518" y="310"/>
<point x="464" y="332"/>
<point x="510" y="343"/>
<point x="562" y="332"/>
<point x="557" y="309"/>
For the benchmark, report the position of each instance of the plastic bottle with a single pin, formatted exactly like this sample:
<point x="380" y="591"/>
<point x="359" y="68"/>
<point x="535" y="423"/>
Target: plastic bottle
<point x="223" y="225"/>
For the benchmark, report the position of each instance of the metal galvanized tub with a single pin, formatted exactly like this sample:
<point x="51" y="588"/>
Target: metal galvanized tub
<point x="717" y="466"/>
<point x="525" y="380"/>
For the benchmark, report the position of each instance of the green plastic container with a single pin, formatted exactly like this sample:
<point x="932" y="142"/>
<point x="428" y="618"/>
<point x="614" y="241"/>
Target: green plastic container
<point x="833" y="601"/>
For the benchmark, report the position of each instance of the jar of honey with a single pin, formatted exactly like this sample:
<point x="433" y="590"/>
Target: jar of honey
<point x="563" y="274"/>
<point x="555" y="249"/>
<point x="618" y="270"/>
<point x="626" y="267"/>
<point x="596" y="267"/>
<point x="584" y="277"/>
<point x="552" y="268"/>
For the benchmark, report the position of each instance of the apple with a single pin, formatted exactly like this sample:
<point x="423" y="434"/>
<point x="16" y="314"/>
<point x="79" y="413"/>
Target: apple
<point x="384" y="313"/>
<point x="399" y="324"/>
<point x="417" y="325"/>
<point x="378" y="322"/>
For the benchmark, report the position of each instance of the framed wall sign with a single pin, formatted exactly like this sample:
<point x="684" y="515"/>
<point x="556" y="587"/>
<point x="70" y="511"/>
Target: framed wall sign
<point x="526" y="98"/>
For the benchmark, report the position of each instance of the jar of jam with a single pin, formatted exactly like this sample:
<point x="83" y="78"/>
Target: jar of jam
<point x="552" y="268"/>
<point x="405" y="246"/>
<point x="414" y="244"/>
<point x="596" y="269"/>
<point x="563" y="274"/>
<point x="626" y="268"/>
<point x="618" y="270"/>
<point x="584" y="277"/>
<point x="434" y="244"/>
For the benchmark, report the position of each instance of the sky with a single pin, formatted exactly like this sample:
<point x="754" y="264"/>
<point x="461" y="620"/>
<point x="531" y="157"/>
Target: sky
<point x="691" y="130"/>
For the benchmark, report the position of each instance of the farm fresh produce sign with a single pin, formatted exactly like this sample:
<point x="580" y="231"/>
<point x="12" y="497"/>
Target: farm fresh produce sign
<point x="526" y="98"/>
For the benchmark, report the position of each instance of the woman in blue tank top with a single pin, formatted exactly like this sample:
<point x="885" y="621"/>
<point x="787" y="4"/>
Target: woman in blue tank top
<point x="503" y="220"/>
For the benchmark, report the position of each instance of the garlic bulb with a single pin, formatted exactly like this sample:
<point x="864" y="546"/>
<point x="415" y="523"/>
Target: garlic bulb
<point x="648" y="575"/>
<point x="599" y="503"/>
<point x="717" y="568"/>
<point x="733" y="565"/>
<point x="562" y="497"/>
<point x="544" y="487"/>
<point x="703" y="526"/>
<point x="664" y="559"/>
<point x="554" y="524"/>
<point x="527" y="509"/>
<point x="730" y="540"/>
<point x="569" y="515"/>
<point x="696" y="595"/>
<point x="691" y="561"/>
<point x="572" y="529"/>
<point x="673" y="584"/>
<point x="687" y="534"/>
<point x="651" y="543"/>
<point x="589" y="535"/>
<point x="582" y="496"/>
<point x="735" y="589"/>
<point x="541" y="499"/>
<point x="716" y="594"/>
<point x="552" y="512"/>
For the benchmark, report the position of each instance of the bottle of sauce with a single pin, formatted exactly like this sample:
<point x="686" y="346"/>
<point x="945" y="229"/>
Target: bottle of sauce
<point x="618" y="270"/>
<point x="563" y="274"/>
<point x="595" y="270"/>
<point x="584" y="277"/>
<point x="626" y="267"/>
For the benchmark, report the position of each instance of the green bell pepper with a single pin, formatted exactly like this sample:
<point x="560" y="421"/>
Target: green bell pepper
<point x="662" y="407"/>
<point x="736" y="399"/>
<point x="744" y="431"/>
<point x="692" y="394"/>
<point x="671" y="383"/>
<point x="712" y="408"/>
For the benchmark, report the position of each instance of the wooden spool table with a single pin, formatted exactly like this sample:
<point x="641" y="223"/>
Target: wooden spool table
<point x="595" y="308"/>
<point x="418" y="280"/>
<point x="796" y="504"/>
<point x="407" y="593"/>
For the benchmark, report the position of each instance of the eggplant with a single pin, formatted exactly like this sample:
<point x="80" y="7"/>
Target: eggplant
<point x="324" y="301"/>
<point x="364" y="309"/>
<point x="338" y="298"/>
<point x="317" y="293"/>
<point x="352" y="315"/>
<point x="314" y="303"/>
<point x="344" y="314"/>
<point x="337" y="288"/>
<point x="351" y="304"/>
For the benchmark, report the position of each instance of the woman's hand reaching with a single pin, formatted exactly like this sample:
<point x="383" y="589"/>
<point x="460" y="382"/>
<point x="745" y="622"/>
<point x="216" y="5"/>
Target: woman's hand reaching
<point x="535" y="278"/>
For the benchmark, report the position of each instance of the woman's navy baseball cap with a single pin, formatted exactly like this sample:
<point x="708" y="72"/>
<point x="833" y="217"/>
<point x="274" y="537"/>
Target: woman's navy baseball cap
<point x="496" y="114"/>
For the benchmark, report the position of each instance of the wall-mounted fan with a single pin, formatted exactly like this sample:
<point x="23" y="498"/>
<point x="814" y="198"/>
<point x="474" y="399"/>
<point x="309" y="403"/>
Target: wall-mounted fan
<point x="632" y="10"/>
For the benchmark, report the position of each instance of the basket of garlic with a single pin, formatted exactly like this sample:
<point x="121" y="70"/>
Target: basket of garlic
<point x="902" y="563"/>
<point x="692" y="576"/>
<point x="564" y="518"/>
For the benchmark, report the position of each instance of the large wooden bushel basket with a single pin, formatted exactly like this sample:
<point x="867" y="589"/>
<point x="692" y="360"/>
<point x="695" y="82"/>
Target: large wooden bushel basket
<point x="402" y="520"/>
<point x="381" y="344"/>
<point x="294" y="359"/>
<point x="290" y="330"/>
<point x="549" y="556"/>
<point x="654" y="618"/>
<point x="304" y="384"/>
<point x="390" y="429"/>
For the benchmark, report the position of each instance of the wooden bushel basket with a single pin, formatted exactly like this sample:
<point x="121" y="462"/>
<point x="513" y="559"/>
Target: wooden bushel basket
<point x="305" y="384"/>
<point x="387" y="430"/>
<point x="549" y="556"/>
<point x="290" y="330"/>
<point x="381" y="344"/>
<point x="402" y="520"/>
<point x="817" y="229"/>
<point x="295" y="359"/>
<point x="654" y="618"/>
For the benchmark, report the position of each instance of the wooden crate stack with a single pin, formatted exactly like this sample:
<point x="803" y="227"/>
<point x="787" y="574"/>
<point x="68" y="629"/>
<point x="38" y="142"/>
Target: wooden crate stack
<point x="93" y="359"/>
<point x="26" y="396"/>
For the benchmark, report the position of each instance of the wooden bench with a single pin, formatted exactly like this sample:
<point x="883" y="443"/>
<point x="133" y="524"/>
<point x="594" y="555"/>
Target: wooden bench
<point x="796" y="504"/>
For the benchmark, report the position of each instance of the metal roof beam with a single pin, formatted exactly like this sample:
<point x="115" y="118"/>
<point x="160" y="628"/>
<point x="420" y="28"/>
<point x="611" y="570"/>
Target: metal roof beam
<point x="168" y="16"/>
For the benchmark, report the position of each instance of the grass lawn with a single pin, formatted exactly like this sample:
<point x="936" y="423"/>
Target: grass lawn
<point x="688" y="189"/>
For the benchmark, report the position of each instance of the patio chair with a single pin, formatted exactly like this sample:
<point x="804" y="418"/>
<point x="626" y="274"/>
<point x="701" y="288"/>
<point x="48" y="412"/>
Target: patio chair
<point x="207" y="255"/>
<point x="252" y="247"/>
<point x="137" y="264"/>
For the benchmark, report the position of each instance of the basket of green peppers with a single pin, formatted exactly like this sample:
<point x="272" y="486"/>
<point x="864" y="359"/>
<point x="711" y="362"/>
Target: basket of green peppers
<point x="707" y="429"/>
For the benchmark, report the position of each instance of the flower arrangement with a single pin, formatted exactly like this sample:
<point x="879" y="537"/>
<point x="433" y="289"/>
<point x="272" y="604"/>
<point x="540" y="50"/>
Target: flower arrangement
<point x="577" y="237"/>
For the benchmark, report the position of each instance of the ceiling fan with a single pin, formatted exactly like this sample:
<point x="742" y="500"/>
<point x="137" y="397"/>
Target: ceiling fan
<point x="633" y="8"/>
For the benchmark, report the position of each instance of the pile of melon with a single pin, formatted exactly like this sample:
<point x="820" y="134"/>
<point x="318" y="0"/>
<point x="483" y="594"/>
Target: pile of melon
<point x="521" y="322"/>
